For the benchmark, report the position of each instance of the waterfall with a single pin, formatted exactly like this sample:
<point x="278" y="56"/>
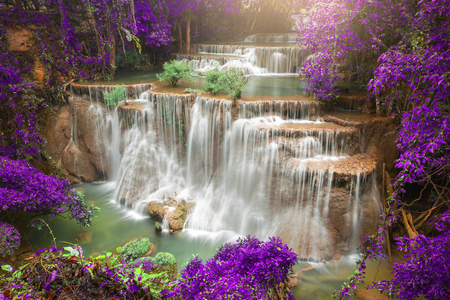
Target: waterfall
<point x="252" y="59"/>
<point x="271" y="171"/>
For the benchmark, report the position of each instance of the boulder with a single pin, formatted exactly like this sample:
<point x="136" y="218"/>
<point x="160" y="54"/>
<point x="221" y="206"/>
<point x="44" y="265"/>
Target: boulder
<point x="177" y="217"/>
<point x="156" y="209"/>
<point x="158" y="227"/>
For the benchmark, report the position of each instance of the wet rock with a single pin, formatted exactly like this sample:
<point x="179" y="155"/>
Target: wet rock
<point x="158" y="227"/>
<point x="152" y="251"/>
<point x="76" y="162"/>
<point x="170" y="202"/>
<point x="156" y="209"/>
<point x="177" y="217"/>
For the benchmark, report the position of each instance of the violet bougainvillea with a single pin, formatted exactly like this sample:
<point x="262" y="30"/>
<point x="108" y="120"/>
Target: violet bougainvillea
<point x="9" y="239"/>
<point x="248" y="269"/>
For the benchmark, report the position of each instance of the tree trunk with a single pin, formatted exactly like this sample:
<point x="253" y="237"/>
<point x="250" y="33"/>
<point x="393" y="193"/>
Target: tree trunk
<point x="188" y="30"/>
<point x="181" y="37"/>
<point x="378" y="105"/>
<point x="112" y="58"/>
<point x="17" y="3"/>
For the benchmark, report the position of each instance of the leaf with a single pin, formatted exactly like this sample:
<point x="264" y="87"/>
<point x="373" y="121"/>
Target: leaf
<point x="7" y="268"/>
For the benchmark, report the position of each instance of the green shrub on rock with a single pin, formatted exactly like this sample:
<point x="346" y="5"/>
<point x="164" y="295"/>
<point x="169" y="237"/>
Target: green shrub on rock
<point x="174" y="71"/>
<point x="135" y="248"/>
<point x="165" y="259"/>
<point x="112" y="98"/>
<point x="236" y="81"/>
<point x="214" y="81"/>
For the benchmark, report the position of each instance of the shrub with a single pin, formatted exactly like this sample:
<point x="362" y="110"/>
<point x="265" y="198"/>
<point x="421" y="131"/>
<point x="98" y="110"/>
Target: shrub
<point x="9" y="239"/>
<point x="174" y="71"/>
<point x="112" y="98"/>
<point x="133" y="60"/>
<point x="236" y="82"/>
<point x="165" y="259"/>
<point x="66" y="274"/>
<point x="250" y="269"/>
<point x="214" y="82"/>
<point x="319" y="81"/>
<point x="25" y="189"/>
<point x="135" y="248"/>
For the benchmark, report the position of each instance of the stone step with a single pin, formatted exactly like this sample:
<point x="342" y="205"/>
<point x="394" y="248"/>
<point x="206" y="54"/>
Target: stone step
<point x="307" y="139"/>
<point x="341" y="167"/>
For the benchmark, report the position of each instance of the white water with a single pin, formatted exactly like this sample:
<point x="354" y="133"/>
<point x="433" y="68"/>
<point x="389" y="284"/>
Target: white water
<point x="247" y="176"/>
<point x="251" y="59"/>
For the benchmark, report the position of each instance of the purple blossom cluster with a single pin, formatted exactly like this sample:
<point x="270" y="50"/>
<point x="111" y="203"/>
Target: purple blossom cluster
<point x="427" y="272"/>
<point x="9" y="239"/>
<point x="25" y="189"/>
<point x="319" y="79"/>
<point x="407" y="44"/>
<point x="249" y="269"/>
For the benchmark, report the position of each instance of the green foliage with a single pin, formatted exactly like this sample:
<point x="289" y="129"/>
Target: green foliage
<point x="174" y="71"/>
<point x="135" y="248"/>
<point x="214" y="82"/>
<point x="164" y="259"/>
<point x="117" y="94"/>
<point x="194" y="91"/>
<point x="67" y="274"/>
<point x="133" y="61"/>
<point x="235" y="80"/>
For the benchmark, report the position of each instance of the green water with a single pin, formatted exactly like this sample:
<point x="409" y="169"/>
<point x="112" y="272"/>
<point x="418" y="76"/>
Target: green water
<point x="115" y="223"/>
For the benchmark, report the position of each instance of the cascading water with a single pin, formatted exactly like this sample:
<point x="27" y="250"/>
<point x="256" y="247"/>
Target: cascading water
<point x="253" y="60"/>
<point x="271" y="171"/>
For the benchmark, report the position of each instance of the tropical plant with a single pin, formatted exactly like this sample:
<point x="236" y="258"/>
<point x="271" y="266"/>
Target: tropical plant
<point x="214" y="82"/>
<point x="112" y="98"/>
<point x="174" y="71"/>
<point x="66" y="273"/>
<point x="236" y="82"/>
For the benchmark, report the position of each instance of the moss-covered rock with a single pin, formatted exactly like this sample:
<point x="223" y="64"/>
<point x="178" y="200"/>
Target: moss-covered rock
<point x="156" y="209"/>
<point x="165" y="259"/>
<point x="177" y="217"/>
<point x="136" y="248"/>
<point x="158" y="227"/>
